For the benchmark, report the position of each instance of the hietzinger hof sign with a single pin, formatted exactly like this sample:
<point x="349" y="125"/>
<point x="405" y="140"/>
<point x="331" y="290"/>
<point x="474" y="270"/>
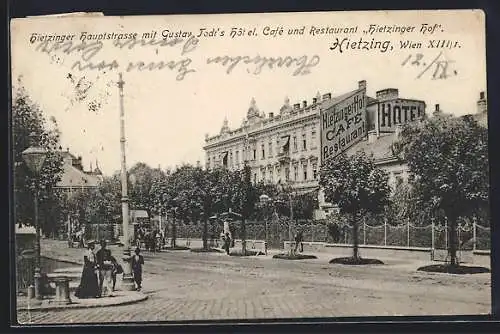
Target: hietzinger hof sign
<point x="343" y="124"/>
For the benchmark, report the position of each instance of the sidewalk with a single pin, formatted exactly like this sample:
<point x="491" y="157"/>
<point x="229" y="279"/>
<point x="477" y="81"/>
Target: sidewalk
<point x="59" y="251"/>
<point x="119" y="298"/>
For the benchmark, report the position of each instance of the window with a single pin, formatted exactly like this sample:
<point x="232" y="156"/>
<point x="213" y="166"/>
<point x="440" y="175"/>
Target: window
<point x="287" y="174"/>
<point x="315" y="171"/>
<point x="270" y="148"/>
<point x="208" y="163"/>
<point x="295" y="143"/>
<point x="231" y="162"/>
<point x="398" y="178"/>
<point x="295" y="173"/>
<point x="254" y="177"/>
<point x="305" y="173"/>
<point x="263" y="152"/>
<point x="313" y="136"/>
<point x="271" y="175"/>
<point x="237" y="156"/>
<point x="304" y="142"/>
<point x="254" y="154"/>
<point x="224" y="159"/>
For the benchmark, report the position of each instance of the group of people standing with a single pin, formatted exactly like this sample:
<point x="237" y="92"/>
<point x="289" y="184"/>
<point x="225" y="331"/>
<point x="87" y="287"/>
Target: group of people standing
<point x="153" y="240"/>
<point x="100" y="270"/>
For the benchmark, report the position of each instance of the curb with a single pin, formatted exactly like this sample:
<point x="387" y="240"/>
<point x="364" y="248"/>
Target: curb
<point x="138" y="298"/>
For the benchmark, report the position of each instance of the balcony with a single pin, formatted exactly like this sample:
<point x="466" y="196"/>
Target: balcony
<point x="283" y="157"/>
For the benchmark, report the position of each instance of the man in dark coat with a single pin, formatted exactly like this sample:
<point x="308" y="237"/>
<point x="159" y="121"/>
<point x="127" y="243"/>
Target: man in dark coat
<point x="137" y="263"/>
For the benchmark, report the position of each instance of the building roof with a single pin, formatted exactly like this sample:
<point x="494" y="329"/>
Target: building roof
<point x="381" y="148"/>
<point x="25" y="229"/>
<point x="73" y="174"/>
<point x="74" y="177"/>
<point x="138" y="214"/>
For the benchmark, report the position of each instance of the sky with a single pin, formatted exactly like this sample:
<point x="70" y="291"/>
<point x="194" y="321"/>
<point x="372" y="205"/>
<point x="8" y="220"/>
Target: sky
<point x="166" y="118"/>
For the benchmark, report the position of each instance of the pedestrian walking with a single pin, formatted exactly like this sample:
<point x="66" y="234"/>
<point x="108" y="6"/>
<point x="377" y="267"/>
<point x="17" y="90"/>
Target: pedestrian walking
<point x="227" y="242"/>
<point x="105" y="265"/>
<point x="137" y="263"/>
<point x="89" y="286"/>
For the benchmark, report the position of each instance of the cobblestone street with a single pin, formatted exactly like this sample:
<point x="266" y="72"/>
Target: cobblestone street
<point x="194" y="286"/>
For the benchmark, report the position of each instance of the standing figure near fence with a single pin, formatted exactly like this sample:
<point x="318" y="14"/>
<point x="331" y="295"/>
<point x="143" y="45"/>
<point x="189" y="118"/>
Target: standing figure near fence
<point x="105" y="264"/>
<point x="227" y="242"/>
<point x="137" y="263"/>
<point x="298" y="242"/>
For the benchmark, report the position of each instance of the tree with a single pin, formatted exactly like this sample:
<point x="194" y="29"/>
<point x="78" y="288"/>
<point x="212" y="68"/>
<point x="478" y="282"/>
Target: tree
<point x="29" y="127"/>
<point x="244" y="196"/>
<point x="304" y="205"/>
<point x="449" y="158"/>
<point x="357" y="187"/>
<point x="140" y="194"/>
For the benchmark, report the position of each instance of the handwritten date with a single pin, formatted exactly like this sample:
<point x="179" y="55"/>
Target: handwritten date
<point x="439" y="67"/>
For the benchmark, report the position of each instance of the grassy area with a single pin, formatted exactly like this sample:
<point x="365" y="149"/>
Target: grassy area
<point x="458" y="270"/>
<point x="354" y="261"/>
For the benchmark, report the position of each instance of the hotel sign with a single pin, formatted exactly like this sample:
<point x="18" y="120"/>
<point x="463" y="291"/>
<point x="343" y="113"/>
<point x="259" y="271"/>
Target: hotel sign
<point x="399" y="111"/>
<point x="343" y="124"/>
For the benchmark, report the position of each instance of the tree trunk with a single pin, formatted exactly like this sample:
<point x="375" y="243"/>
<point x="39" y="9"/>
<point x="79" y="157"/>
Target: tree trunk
<point x="452" y="240"/>
<point x="205" y="232"/>
<point x="243" y="236"/>
<point x="174" y="231"/>
<point x="355" y="238"/>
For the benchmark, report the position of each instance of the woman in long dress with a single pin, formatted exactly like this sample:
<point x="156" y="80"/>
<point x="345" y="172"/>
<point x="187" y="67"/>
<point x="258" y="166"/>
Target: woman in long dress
<point x="89" y="286"/>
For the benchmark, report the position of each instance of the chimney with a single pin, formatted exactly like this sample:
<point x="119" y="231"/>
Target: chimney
<point x="372" y="136"/>
<point x="362" y="84"/>
<point x="296" y="106"/>
<point x="304" y="104"/>
<point x="327" y="96"/>
<point x="482" y="106"/>
<point x="271" y="115"/>
<point x="436" y="109"/>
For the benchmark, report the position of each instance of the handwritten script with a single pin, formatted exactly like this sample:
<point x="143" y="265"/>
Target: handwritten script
<point x="302" y="65"/>
<point x="89" y="59"/>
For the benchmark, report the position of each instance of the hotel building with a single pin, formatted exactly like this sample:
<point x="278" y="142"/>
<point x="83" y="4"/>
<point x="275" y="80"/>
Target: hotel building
<point x="285" y="146"/>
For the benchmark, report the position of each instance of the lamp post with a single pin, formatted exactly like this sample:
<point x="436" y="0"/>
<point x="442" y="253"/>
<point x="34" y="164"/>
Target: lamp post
<point x="34" y="157"/>
<point x="127" y="281"/>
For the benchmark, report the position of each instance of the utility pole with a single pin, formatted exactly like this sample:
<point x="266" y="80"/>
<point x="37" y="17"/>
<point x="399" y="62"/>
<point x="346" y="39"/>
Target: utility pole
<point x="127" y="282"/>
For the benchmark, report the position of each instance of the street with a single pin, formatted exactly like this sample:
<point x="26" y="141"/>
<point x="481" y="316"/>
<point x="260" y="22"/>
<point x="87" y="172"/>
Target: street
<point x="198" y="286"/>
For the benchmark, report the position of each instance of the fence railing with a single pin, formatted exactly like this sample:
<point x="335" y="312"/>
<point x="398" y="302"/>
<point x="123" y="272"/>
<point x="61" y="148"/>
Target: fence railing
<point x="471" y="236"/>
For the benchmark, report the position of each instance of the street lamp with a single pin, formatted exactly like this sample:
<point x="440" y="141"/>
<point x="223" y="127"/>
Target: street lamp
<point x="127" y="281"/>
<point x="34" y="157"/>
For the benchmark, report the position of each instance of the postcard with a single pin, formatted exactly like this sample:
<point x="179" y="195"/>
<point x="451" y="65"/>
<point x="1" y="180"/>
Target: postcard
<point x="249" y="166"/>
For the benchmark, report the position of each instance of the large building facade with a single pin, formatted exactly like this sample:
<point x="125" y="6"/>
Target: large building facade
<point x="285" y="146"/>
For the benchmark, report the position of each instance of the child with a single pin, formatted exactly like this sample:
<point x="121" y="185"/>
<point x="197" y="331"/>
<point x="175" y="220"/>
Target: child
<point x="137" y="262"/>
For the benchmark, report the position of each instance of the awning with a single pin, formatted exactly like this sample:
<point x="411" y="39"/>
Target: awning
<point x="224" y="157"/>
<point x="286" y="141"/>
